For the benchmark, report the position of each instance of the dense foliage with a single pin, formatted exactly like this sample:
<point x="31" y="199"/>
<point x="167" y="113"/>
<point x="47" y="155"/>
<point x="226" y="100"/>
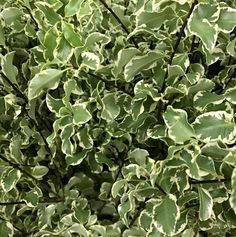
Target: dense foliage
<point x="117" y="118"/>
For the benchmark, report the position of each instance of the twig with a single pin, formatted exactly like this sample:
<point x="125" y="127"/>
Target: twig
<point x="14" y="87"/>
<point x="178" y="41"/>
<point x="208" y="181"/>
<point x="32" y="17"/>
<point x="119" y="21"/>
<point x="182" y="31"/>
<point x="23" y="202"/>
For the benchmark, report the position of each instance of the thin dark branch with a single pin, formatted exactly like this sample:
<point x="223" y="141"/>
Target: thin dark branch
<point x="208" y="181"/>
<point x="182" y="31"/>
<point x="119" y="21"/>
<point x="23" y="202"/>
<point x="178" y="40"/>
<point x="11" y="203"/>
<point x="32" y="17"/>
<point x="161" y="189"/>
<point x="16" y="89"/>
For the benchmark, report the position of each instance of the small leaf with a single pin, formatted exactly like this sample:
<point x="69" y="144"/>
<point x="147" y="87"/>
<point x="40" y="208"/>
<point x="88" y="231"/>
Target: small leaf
<point x="90" y="60"/>
<point x="76" y="158"/>
<point x="73" y="38"/>
<point x="39" y="171"/>
<point x="227" y="19"/>
<point x="47" y="79"/>
<point x="63" y="51"/>
<point x="6" y="229"/>
<point x="50" y="14"/>
<point x="8" y="68"/>
<point x="110" y="108"/>
<point x="178" y="127"/>
<point x="231" y="48"/>
<point x="154" y="20"/>
<point x="80" y="114"/>
<point x="10" y="15"/>
<point x="72" y="7"/>
<point x="232" y="199"/>
<point x="166" y="215"/>
<point x="117" y="186"/>
<point x="140" y="156"/>
<point x="206" y="204"/>
<point x="124" y="56"/>
<point x="230" y="95"/>
<point x="67" y="147"/>
<point x="200" y="24"/>
<point x="215" y="126"/>
<point x="9" y="179"/>
<point x="32" y="197"/>
<point x="139" y="63"/>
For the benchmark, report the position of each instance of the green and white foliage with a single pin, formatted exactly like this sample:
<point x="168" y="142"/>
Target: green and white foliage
<point x="117" y="118"/>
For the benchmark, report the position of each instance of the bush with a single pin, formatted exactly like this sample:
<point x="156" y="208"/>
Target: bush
<point x="117" y="118"/>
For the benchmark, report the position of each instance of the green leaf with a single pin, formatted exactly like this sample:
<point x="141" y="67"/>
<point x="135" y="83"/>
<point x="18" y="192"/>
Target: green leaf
<point x="46" y="79"/>
<point x="154" y="20"/>
<point x="117" y="186"/>
<point x="200" y="24"/>
<point x="85" y="140"/>
<point x="45" y="215"/>
<point x="90" y="60"/>
<point x="139" y="63"/>
<point x="206" y="204"/>
<point x="140" y="156"/>
<point x="10" y="15"/>
<point x="8" y="68"/>
<point x="178" y="127"/>
<point x="72" y="7"/>
<point x="231" y="48"/>
<point x="166" y="215"/>
<point x="80" y="114"/>
<point x="202" y="99"/>
<point x="9" y="179"/>
<point x="110" y="107"/>
<point x="6" y="229"/>
<point x="2" y="36"/>
<point x="63" y="51"/>
<point x="50" y="43"/>
<point x="67" y="147"/>
<point x="50" y="14"/>
<point x="227" y="19"/>
<point x="73" y="38"/>
<point x="76" y="158"/>
<point x="39" y="171"/>
<point x="230" y="95"/>
<point x="215" y="126"/>
<point x="79" y="229"/>
<point x="32" y="197"/>
<point x="230" y="159"/>
<point x="124" y="56"/>
<point x="232" y="199"/>
<point x="54" y="105"/>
